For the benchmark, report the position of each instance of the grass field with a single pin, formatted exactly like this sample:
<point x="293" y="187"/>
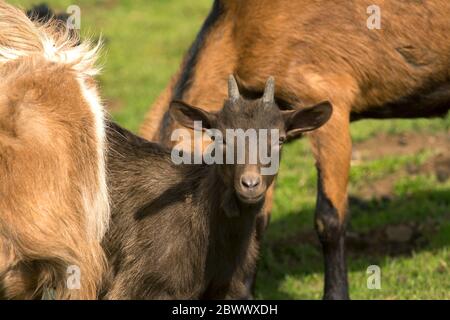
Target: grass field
<point x="400" y="184"/>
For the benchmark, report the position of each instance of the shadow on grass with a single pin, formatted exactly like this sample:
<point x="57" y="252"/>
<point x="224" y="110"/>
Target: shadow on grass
<point x="290" y="253"/>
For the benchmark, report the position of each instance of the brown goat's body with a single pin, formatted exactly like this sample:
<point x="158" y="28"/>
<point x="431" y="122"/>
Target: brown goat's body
<point x="320" y="50"/>
<point x="169" y="238"/>
<point x="53" y="201"/>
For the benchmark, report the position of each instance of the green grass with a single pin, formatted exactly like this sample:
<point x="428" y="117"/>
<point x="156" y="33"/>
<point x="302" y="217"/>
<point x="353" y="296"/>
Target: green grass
<point x="145" y="41"/>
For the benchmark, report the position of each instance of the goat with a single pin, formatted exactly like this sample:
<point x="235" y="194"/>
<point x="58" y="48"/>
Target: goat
<point x="320" y="51"/>
<point x="188" y="231"/>
<point x="54" y="207"/>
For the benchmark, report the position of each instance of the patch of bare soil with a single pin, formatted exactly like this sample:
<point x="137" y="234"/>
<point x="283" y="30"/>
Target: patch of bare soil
<point x="404" y="144"/>
<point x="409" y="143"/>
<point x="389" y="240"/>
<point x="438" y="165"/>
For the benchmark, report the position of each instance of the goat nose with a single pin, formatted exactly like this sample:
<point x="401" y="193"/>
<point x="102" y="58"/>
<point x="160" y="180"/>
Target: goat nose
<point x="250" y="181"/>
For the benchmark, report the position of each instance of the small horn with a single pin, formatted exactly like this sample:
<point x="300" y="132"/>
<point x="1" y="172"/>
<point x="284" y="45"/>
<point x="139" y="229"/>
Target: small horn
<point x="269" y="92"/>
<point x="233" y="89"/>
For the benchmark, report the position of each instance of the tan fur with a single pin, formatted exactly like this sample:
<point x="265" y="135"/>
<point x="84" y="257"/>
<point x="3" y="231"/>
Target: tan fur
<point x="20" y="37"/>
<point x="52" y="188"/>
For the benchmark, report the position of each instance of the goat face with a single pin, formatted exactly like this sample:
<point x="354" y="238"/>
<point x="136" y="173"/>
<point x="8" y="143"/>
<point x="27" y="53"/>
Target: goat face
<point x="249" y="135"/>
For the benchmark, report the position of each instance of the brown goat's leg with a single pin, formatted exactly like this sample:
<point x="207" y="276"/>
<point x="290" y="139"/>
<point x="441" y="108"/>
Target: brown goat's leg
<point x="332" y="149"/>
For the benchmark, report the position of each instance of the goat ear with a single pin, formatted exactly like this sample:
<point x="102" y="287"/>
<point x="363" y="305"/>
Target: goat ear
<point x="186" y="115"/>
<point x="308" y="119"/>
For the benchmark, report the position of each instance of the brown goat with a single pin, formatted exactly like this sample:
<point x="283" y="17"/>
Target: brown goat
<point x="54" y="206"/>
<point x="320" y="51"/>
<point x="189" y="231"/>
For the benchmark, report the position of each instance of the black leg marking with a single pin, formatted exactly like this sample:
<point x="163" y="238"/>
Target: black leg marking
<point x="331" y="233"/>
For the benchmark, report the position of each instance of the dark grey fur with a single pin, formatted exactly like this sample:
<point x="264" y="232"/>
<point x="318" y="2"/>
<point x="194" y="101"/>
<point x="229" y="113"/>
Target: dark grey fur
<point x="180" y="231"/>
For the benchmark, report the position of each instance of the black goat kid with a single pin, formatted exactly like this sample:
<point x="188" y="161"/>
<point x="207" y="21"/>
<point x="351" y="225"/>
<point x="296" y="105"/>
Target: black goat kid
<point x="188" y="231"/>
